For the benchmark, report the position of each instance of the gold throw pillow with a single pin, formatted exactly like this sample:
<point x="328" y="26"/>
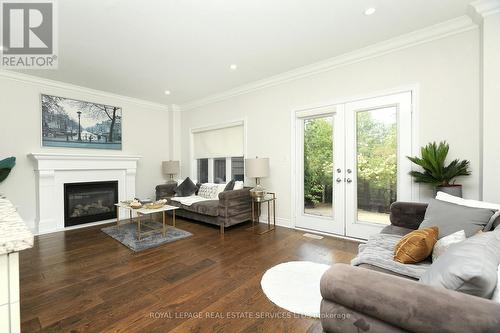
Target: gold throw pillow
<point x="416" y="246"/>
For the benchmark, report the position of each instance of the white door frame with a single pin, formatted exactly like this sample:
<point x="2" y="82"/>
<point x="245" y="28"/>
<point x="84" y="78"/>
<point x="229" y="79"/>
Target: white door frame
<point x="415" y="92"/>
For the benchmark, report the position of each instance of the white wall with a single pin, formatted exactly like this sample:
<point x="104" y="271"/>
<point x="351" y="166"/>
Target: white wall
<point x="446" y="71"/>
<point x="491" y="105"/>
<point x="145" y="133"/>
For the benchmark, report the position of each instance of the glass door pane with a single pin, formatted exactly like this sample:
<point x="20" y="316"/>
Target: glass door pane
<point x="318" y="166"/>
<point x="377" y="163"/>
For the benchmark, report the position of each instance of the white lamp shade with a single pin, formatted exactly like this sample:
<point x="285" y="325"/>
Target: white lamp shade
<point x="170" y="167"/>
<point x="257" y="167"/>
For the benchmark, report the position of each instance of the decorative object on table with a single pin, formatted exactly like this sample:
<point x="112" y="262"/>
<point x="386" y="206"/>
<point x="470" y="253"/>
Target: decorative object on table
<point x="295" y="286"/>
<point x="257" y="168"/>
<point x="135" y="204"/>
<point x="127" y="235"/>
<point x="6" y="166"/>
<point x="436" y="173"/>
<point x="170" y="168"/>
<point x="72" y="123"/>
<point x="157" y="204"/>
<point x="270" y="199"/>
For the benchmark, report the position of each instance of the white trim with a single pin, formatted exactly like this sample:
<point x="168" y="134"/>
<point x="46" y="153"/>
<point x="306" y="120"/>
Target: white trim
<point x="425" y="35"/>
<point x="44" y="83"/>
<point x="56" y="156"/>
<point x="486" y="7"/>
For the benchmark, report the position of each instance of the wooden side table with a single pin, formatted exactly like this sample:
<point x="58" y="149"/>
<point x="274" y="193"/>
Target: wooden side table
<point x="270" y="199"/>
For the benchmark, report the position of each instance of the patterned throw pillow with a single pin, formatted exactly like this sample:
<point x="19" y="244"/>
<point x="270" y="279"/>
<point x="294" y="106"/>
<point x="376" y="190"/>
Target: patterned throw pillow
<point x="416" y="246"/>
<point x="208" y="191"/>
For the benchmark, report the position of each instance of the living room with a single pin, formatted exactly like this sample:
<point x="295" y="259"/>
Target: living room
<point x="242" y="166"/>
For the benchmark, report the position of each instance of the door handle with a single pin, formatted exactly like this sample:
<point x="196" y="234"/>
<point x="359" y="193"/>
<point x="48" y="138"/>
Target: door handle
<point x="338" y="180"/>
<point x="349" y="180"/>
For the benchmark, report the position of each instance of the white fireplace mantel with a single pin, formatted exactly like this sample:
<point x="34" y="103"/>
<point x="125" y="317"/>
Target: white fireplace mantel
<point x="54" y="170"/>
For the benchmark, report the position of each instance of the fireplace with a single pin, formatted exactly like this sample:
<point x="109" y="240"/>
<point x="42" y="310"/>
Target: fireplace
<point x="89" y="202"/>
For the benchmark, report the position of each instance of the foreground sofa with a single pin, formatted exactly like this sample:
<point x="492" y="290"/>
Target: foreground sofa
<point x="233" y="207"/>
<point x="371" y="299"/>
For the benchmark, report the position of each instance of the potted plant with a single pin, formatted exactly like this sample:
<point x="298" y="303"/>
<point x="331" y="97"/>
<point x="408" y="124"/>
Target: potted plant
<point x="436" y="173"/>
<point x="5" y="166"/>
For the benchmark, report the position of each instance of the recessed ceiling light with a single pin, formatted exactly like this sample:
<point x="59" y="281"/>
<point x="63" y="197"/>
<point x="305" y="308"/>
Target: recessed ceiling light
<point x="167" y="92"/>
<point x="370" y="11"/>
<point x="233" y="67"/>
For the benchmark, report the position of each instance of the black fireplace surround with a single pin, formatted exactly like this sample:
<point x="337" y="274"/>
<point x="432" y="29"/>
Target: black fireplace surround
<point x="89" y="202"/>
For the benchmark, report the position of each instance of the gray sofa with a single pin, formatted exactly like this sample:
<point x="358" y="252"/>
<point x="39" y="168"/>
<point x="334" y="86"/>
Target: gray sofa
<point x="233" y="207"/>
<point x="371" y="299"/>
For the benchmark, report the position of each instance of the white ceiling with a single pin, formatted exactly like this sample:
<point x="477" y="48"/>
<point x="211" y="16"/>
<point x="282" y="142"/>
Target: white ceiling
<point x="141" y="48"/>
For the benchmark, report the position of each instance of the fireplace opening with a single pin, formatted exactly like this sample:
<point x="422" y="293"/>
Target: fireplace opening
<point x="89" y="202"/>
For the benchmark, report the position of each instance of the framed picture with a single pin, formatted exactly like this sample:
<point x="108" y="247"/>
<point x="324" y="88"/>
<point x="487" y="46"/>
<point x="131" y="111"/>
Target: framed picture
<point x="72" y="123"/>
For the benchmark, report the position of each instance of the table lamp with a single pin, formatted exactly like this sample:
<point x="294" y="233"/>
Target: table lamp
<point x="257" y="168"/>
<point x="170" y="168"/>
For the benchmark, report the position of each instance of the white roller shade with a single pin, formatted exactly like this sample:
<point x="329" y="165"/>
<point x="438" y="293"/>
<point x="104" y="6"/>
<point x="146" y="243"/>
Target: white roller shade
<point x="220" y="142"/>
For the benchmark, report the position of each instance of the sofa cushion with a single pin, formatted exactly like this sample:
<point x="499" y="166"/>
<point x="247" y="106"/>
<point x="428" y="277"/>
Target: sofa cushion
<point x="209" y="207"/>
<point x="186" y="188"/>
<point x="469" y="266"/>
<point x="416" y="246"/>
<point x="450" y="218"/>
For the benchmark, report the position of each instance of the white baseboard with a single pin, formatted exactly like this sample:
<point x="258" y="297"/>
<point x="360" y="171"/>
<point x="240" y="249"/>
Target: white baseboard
<point x="287" y="223"/>
<point x="80" y="226"/>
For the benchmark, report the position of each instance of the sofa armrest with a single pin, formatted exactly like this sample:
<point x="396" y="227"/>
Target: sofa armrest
<point x="407" y="214"/>
<point x="235" y="207"/>
<point x="165" y="191"/>
<point x="405" y="303"/>
<point x="235" y="198"/>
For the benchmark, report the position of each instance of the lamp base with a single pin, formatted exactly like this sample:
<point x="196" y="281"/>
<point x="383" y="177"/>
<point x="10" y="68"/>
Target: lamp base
<point x="258" y="192"/>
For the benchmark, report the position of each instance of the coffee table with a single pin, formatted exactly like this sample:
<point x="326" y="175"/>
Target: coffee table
<point x="139" y="219"/>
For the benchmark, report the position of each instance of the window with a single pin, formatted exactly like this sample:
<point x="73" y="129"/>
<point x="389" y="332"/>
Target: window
<point x="202" y="169"/>
<point x="218" y="153"/>
<point x="238" y="168"/>
<point x="219" y="170"/>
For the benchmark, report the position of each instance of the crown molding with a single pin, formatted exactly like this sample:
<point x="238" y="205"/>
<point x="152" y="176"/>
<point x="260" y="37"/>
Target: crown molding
<point x="486" y="7"/>
<point x="434" y="32"/>
<point x="42" y="82"/>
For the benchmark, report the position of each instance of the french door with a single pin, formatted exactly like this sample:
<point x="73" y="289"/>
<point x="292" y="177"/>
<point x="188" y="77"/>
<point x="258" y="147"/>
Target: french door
<point x="352" y="164"/>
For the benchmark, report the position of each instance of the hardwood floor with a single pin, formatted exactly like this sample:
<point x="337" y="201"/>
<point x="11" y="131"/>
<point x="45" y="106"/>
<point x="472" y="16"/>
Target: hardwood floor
<point x="84" y="281"/>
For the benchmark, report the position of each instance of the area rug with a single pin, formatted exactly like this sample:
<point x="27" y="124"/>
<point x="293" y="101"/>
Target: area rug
<point x="127" y="235"/>
<point x="294" y="286"/>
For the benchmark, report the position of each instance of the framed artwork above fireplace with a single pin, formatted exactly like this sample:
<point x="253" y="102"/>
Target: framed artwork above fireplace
<point x="73" y="123"/>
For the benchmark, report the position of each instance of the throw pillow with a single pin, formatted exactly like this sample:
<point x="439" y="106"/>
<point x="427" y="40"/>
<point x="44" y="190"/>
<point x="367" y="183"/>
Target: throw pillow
<point x="238" y="185"/>
<point x="416" y="246"/>
<point x="493" y="222"/>
<point x="470" y="266"/>
<point x="208" y="191"/>
<point x="230" y="185"/>
<point x="444" y="243"/>
<point x="186" y="188"/>
<point x="450" y="218"/>
<point x="466" y="202"/>
<point x="496" y="292"/>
